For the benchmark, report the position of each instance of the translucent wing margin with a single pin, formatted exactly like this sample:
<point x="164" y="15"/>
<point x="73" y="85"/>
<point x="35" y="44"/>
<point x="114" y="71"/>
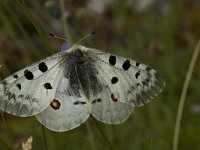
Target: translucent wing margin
<point x="30" y="90"/>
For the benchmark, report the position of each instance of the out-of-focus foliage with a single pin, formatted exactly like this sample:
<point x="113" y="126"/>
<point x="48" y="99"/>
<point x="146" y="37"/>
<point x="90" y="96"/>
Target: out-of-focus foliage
<point x="160" y="33"/>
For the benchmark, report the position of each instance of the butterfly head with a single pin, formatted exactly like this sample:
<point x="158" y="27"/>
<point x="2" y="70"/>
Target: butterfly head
<point x="78" y="54"/>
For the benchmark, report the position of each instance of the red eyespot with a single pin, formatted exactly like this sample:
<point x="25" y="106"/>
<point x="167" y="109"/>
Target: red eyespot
<point x="114" y="98"/>
<point x="55" y="104"/>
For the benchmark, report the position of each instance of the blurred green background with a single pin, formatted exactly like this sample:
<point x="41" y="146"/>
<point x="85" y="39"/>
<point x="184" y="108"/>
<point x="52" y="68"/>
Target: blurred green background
<point x="160" y="33"/>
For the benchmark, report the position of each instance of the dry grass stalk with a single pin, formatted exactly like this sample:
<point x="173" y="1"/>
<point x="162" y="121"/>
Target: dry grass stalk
<point x="27" y="145"/>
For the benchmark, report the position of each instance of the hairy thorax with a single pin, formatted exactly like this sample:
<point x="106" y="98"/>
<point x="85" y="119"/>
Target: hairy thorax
<point x="81" y="73"/>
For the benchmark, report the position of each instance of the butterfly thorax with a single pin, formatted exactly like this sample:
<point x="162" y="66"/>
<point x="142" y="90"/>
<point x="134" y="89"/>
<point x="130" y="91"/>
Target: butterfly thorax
<point x="81" y="73"/>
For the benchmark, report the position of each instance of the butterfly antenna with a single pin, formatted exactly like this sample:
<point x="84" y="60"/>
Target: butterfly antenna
<point x="58" y="37"/>
<point x="86" y="37"/>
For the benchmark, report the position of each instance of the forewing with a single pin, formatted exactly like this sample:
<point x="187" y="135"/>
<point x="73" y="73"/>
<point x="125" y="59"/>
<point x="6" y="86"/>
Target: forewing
<point x="30" y="90"/>
<point x="130" y="82"/>
<point x="67" y="111"/>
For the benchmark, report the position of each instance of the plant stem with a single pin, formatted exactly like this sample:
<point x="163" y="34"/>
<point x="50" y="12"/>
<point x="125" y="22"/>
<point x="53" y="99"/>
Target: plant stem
<point x="183" y="96"/>
<point x="64" y="21"/>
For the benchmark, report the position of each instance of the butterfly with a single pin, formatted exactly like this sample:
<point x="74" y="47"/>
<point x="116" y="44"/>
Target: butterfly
<point x="65" y="88"/>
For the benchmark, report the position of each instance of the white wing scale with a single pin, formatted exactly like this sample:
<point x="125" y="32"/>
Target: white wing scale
<point x="136" y="83"/>
<point x="104" y="108"/>
<point x="72" y="112"/>
<point x="26" y="97"/>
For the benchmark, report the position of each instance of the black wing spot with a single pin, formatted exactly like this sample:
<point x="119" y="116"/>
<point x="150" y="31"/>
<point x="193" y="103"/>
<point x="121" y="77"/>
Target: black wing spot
<point x="55" y="104"/>
<point x="112" y="60"/>
<point x="114" y="80"/>
<point x="28" y="75"/>
<point x="82" y="103"/>
<point x="43" y="67"/>
<point x="99" y="100"/>
<point x="137" y="74"/>
<point x="19" y="86"/>
<point x="137" y="64"/>
<point x="114" y="98"/>
<point x="96" y="100"/>
<point x="15" y="76"/>
<point x="126" y="65"/>
<point x="79" y="102"/>
<point x="76" y="103"/>
<point x="47" y="86"/>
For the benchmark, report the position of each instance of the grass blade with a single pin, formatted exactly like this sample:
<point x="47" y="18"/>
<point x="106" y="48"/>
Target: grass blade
<point x="183" y="96"/>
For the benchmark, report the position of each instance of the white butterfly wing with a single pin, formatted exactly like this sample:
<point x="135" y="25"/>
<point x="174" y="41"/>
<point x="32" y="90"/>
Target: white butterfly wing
<point x="30" y="90"/>
<point x="105" y="107"/>
<point x="129" y="81"/>
<point x="66" y="111"/>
